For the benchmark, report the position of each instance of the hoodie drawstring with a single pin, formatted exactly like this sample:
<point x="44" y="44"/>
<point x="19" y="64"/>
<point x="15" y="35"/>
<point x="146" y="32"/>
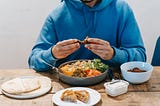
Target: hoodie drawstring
<point x="94" y="21"/>
<point x="85" y="17"/>
<point x="90" y="21"/>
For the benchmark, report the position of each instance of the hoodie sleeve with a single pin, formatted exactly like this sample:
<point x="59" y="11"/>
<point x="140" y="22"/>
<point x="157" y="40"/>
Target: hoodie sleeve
<point x="130" y="45"/>
<point x="41" y="58"/>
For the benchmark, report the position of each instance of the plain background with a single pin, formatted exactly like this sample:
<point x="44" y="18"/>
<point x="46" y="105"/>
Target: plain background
<point x="21" y="22"/>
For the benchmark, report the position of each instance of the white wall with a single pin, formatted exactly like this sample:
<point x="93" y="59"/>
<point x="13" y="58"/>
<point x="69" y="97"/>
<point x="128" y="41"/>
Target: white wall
<point x="21" y="21"/>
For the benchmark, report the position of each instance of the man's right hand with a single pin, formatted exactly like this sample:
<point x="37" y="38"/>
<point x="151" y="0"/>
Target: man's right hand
<point x="65" y="48"/>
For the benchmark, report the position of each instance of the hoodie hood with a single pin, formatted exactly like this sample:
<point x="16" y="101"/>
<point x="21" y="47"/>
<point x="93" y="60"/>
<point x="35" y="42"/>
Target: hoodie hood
<point x="79" y="5"/>
<point x="91" y="18"/>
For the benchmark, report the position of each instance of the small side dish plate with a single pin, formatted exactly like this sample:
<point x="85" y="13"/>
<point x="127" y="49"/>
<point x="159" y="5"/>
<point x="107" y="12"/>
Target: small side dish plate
<point x="95" y="97"/>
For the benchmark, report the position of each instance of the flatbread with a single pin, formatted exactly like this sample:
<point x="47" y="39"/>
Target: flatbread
<point x="21" y="85"/>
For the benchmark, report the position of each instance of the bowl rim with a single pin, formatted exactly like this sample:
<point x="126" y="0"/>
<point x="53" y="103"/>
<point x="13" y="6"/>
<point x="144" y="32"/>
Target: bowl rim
<point x="136" y="62"/>
<point x="124" y="64"/>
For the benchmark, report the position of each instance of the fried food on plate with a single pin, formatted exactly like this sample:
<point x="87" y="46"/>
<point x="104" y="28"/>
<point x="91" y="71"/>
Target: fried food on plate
<point x="73" y="96"/>
<point x="82" y="95"/>
<point x="69" y="95"/>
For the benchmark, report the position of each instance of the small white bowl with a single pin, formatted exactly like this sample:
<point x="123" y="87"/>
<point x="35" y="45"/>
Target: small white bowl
<point x="136" y="77"/>
<point x="116" y="87"/>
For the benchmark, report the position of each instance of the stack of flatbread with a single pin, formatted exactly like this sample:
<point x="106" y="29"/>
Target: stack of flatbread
<point x="26" y="85"/>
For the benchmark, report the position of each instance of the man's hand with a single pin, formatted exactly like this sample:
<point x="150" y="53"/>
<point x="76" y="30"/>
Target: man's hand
<point x="65" y="48"/>
<point x="101" y="48"/>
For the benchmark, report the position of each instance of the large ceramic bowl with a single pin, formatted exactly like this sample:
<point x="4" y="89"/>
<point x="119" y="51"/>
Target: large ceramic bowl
<point x="136" y="77"/>
<point x="83" y="81"/>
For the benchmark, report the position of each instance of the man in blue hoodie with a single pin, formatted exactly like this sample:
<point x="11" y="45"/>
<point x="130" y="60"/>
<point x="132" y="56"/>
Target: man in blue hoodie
<point x="114" y="36"/>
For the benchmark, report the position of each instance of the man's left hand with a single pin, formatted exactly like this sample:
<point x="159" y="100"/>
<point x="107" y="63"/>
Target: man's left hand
<point x="100" y="47"/>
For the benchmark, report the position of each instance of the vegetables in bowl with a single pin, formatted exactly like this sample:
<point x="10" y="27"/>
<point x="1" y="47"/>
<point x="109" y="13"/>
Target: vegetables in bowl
<point x="85" y="68"/>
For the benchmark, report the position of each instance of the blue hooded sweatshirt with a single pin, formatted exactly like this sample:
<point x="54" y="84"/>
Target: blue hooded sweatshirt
<point x="110" y="20"/>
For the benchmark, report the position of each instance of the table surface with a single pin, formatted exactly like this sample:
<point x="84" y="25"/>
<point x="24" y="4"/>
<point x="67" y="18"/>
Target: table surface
<point x="146" y="94"/>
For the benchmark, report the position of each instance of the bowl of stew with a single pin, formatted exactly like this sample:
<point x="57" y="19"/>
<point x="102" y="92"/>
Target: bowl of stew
<point x="83" y="72"/>
<point x="136" y="72"/>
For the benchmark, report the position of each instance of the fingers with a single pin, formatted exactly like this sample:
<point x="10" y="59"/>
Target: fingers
<point x="67" y="42"/>
<point x="101" y="48"/>
<point x="67" y="47"/>
<point x="64" y="48"/>
<point x="97" y="41"/>
<point x="99" y="44"/>
<point x="105" y="54"/>
<point x="65" y="53"/>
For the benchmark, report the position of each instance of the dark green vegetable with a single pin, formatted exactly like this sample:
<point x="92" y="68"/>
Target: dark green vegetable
<point x="98" y="65"/>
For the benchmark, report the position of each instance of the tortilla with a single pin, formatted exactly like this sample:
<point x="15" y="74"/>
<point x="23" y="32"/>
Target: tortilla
<point x="21" y="85"/>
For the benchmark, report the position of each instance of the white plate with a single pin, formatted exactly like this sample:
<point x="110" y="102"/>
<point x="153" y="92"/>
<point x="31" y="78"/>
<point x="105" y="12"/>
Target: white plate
<point x="45" y="87"/>
<point x="94" y="97"/>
